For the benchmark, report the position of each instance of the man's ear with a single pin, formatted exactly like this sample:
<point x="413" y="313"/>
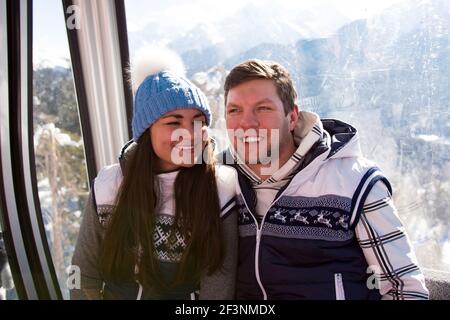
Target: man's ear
<point x="293" y="118"/>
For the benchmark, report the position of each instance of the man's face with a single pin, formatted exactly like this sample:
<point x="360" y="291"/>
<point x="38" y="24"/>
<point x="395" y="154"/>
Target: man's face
<point x="255" y="114"/>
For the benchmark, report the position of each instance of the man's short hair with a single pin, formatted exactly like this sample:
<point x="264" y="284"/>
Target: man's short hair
<point x="258" y="69"/>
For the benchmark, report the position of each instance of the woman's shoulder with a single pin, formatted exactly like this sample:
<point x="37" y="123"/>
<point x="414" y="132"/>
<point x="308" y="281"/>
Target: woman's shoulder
<point x="226" y="178"/>
<point x="107" y="183"/>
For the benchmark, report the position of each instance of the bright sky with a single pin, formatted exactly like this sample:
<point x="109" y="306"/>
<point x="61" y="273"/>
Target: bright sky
<point x="49" y="33"/>
<point x="140" y="12"/>
<point x="50" y="40"/>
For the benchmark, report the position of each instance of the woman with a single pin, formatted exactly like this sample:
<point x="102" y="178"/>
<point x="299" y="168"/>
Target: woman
<point x="161" y="224"/>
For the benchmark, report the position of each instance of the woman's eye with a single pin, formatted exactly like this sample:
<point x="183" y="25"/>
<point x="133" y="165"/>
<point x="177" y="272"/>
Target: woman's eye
<point x="173" y="123"/>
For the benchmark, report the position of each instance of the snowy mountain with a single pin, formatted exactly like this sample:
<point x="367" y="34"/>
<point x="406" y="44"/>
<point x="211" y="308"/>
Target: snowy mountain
<point x="395" y="64"/>
<point x="208" y="43"/>
<point x="376" y="63"/>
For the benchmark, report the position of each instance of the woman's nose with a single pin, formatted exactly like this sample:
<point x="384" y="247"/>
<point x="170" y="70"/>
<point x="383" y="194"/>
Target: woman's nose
<point x="192" y="131"/>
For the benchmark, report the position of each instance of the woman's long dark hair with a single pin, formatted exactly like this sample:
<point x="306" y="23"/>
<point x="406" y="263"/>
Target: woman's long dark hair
<point x="132" y="225"/>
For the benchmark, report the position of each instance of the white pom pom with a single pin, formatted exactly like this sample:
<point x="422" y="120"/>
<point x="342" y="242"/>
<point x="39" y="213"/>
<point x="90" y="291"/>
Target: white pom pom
<point x="151" y="60"/>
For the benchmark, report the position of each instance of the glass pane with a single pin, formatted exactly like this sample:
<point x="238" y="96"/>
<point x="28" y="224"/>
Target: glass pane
<point x="7" y="288"/>
<point x="383" y="66"/>
<point x="58" y="144"/>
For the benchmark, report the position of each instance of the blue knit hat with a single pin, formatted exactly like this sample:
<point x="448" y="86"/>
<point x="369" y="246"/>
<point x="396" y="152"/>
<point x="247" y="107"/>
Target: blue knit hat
<point x="162" y="92"/>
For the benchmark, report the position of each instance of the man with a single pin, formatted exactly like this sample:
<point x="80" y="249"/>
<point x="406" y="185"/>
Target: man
<point x="320" y="224"/>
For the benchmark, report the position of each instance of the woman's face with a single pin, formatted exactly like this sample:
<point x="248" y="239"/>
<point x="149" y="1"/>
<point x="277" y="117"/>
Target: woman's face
<point x="178" y="139"/>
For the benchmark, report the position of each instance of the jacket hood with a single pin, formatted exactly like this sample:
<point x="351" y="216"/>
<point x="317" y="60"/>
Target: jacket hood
<point x="342" y="139"/>
<point x="338" y="137"/>
<point x="126" y="151"/>
<point x="319" y="140"/>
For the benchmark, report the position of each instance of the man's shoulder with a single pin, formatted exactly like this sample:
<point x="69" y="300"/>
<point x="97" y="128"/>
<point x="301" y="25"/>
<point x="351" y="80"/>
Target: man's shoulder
<point x="355" y="166"/>
<point x="356" y="173"/>
<point x="337" y="176"/>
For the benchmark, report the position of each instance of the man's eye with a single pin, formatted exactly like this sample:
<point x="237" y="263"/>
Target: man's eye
<point x="233" y="110"/>
<point x="264" y="108"/>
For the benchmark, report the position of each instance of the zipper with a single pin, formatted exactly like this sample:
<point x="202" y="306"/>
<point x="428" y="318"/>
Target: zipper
<point x="259" y="230"/>
<point x="339" y="286"/>
<point x="258" y="241"/>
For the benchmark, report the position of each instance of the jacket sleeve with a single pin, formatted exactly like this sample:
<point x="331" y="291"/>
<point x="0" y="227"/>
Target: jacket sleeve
<point x="221" y="284"/>
<point x="85" y="257"/>
<point x="393" y="267"/>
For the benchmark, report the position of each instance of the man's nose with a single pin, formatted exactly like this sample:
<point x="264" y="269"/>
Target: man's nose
<point x="249" y="120"/>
